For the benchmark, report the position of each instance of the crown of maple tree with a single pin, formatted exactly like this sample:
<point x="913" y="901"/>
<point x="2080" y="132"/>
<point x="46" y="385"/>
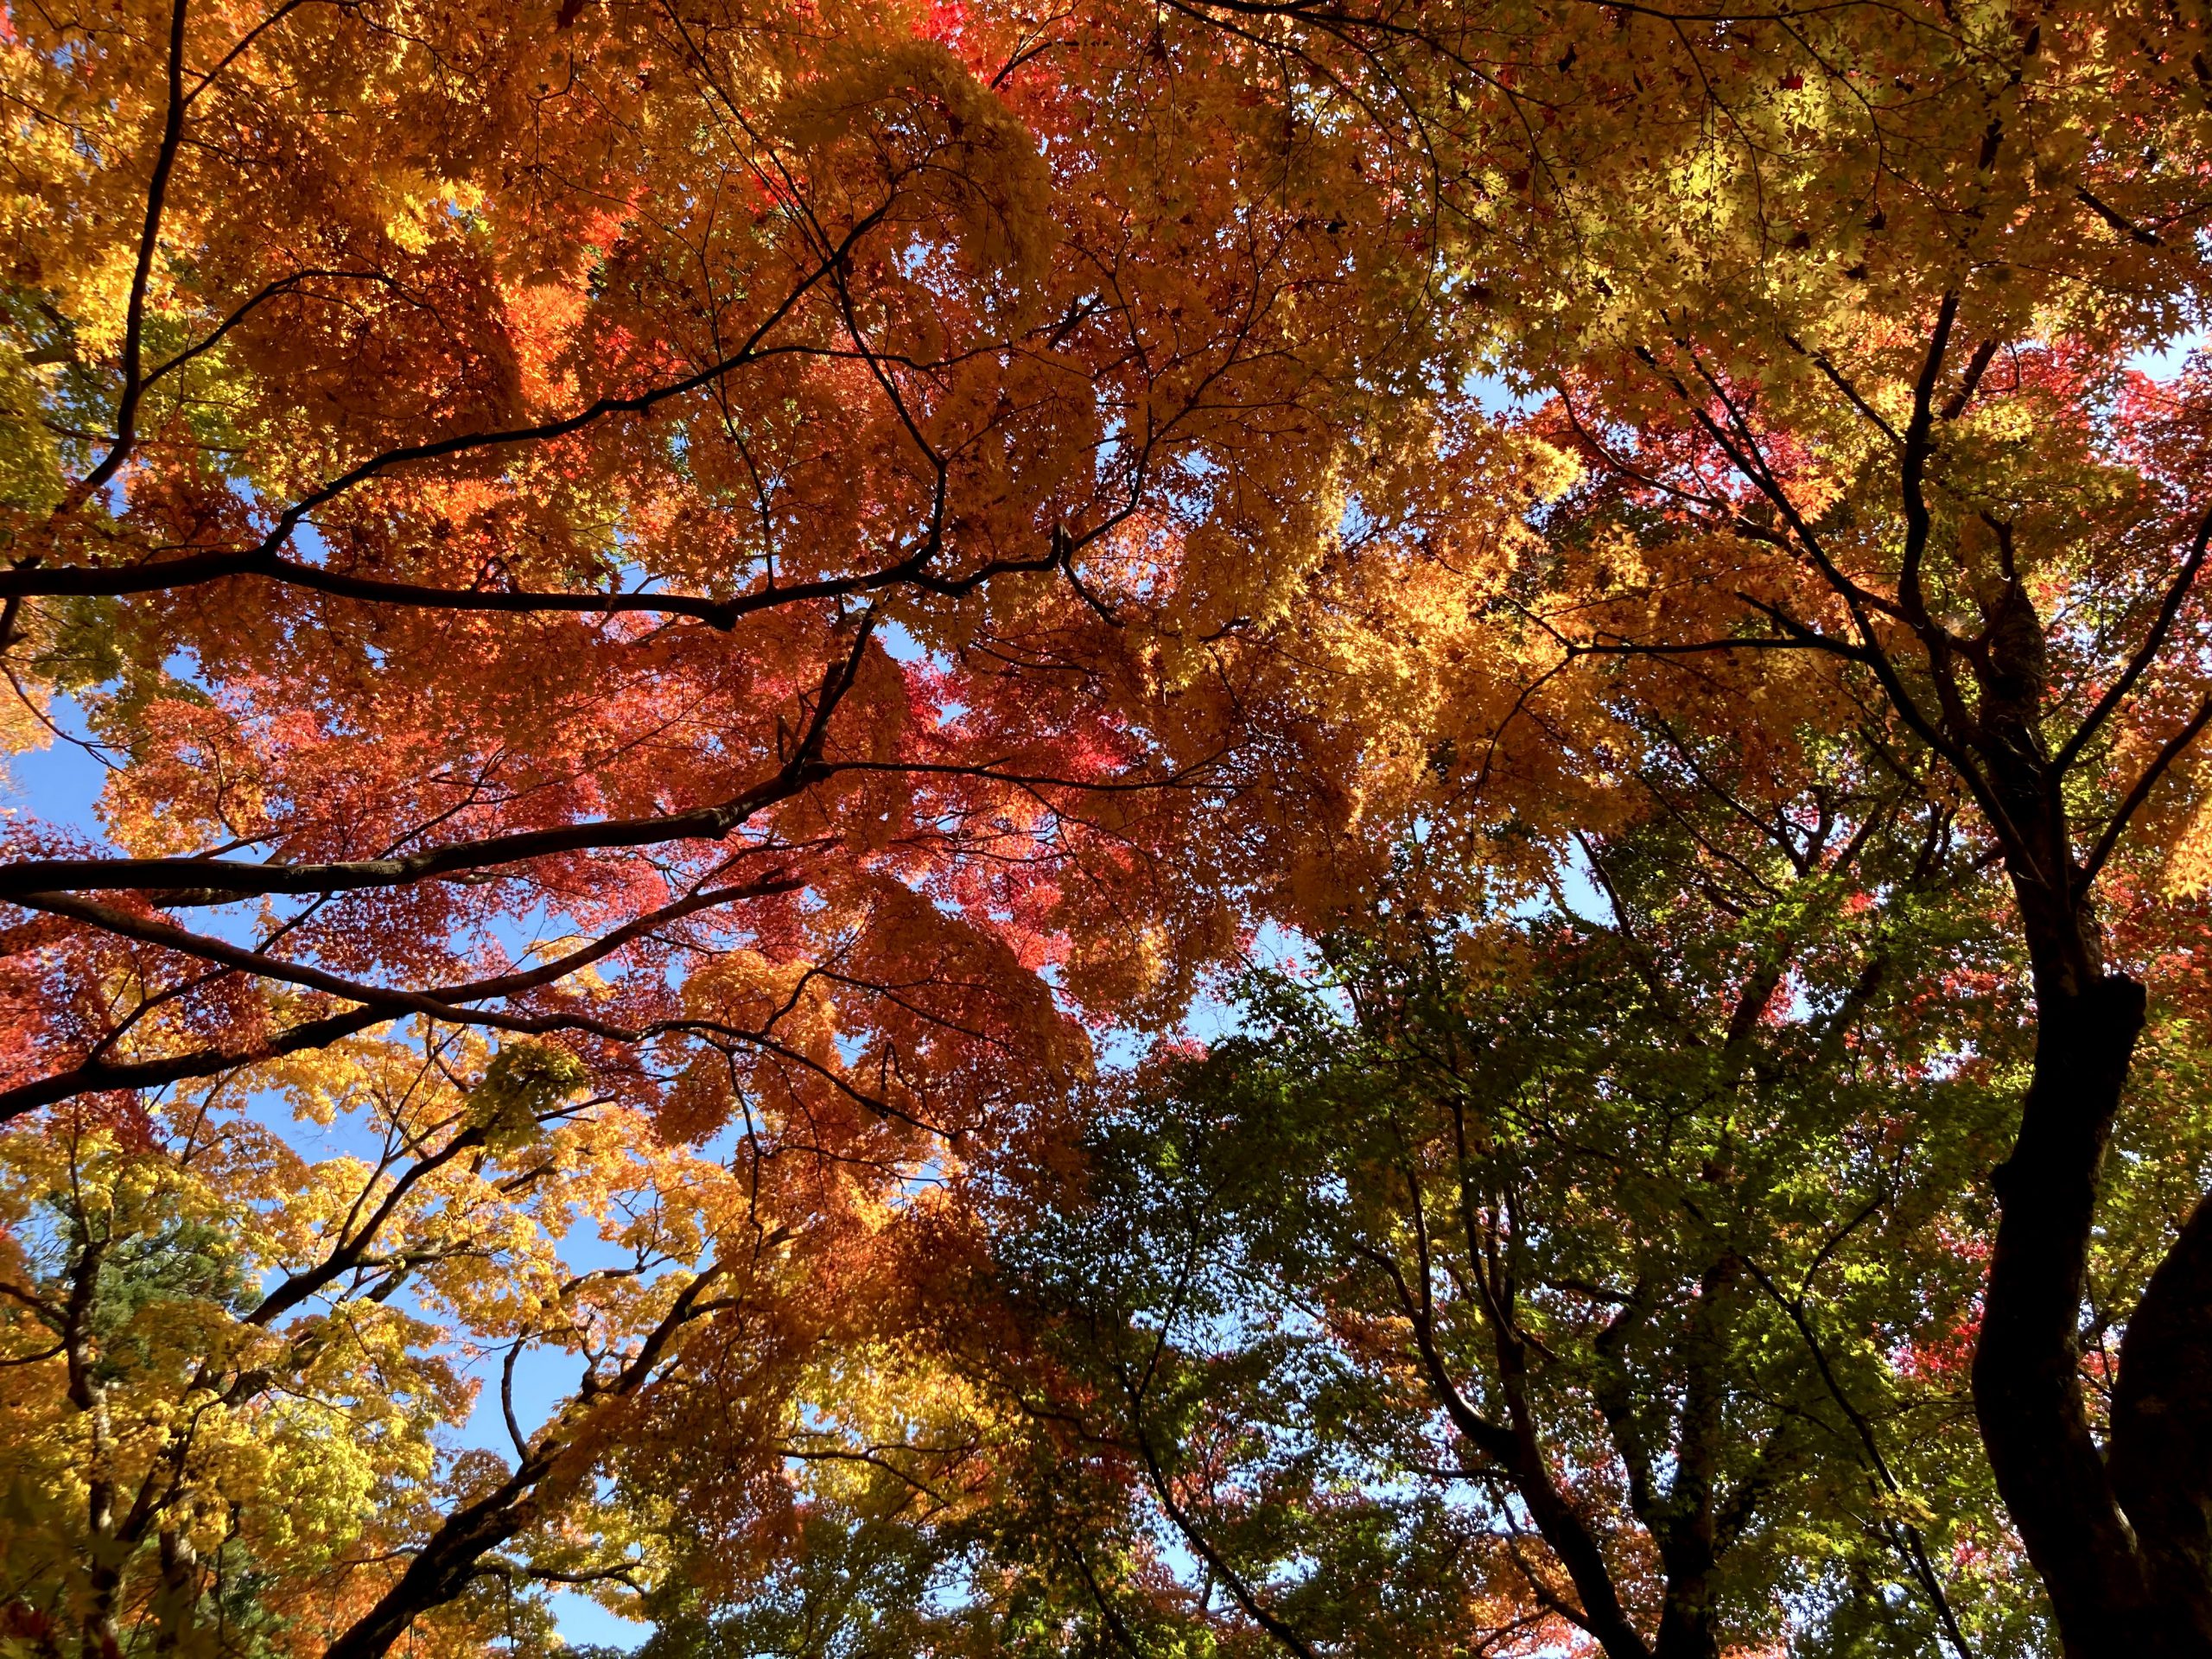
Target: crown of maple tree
<point x="681" y="601"/>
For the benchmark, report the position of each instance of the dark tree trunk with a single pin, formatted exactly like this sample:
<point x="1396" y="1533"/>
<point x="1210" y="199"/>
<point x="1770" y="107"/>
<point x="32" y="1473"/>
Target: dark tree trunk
<point x="2161" y="1445"/>
<point x="443" y="1566"/>
<point x="2115" y="1591"/>
<point x="1683" y="1526"/>
<point x="1686" y="1622"/>
<point x="2026" y="1367"/>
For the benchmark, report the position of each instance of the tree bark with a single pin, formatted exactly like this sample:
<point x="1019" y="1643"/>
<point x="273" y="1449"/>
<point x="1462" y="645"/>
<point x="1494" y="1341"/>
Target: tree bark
<point x="2161" y="1443"/>
<point x="1683" y="1526"/>
<point x="443" y="1566"/>
<point x="2026" y="1367"/>
<point x="2111" y="1594"/>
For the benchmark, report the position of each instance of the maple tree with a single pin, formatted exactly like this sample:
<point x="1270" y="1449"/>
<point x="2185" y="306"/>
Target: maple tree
<point x="1513" y="1282"/>
<point x="716" y="548"/>
<point x="263" y="1353"/>
<point x="1606" y="1274"/>
<point x="1841" y="313"/>
<point x="1872" y="499"/>
<point x="777" y="562"/>
<point x="475" y="539"/>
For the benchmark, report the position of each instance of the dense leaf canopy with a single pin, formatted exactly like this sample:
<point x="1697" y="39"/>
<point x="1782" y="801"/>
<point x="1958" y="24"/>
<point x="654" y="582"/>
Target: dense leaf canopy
<point x="1162" y="826"/>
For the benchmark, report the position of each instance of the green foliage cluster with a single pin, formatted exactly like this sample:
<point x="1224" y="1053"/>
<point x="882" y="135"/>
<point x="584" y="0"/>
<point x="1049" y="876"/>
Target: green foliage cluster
<point x="1667" y="1196"/>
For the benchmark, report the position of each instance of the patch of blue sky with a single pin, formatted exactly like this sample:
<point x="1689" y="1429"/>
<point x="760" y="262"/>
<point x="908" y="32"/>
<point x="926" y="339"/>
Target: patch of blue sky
<point x="913" y="260"/>
<point x="580" y="1622"/>
<point x="1495" y="396"/>
<point x="900" y="645"/>
<point x="2166" y="359"/>
<point x="1574" y="893"/>
<point x="1214" y="1013"/>
<point x="61" y="783"/>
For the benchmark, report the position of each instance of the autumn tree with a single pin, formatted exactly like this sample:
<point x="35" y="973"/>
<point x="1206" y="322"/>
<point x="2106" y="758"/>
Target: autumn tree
<point x="1844" y="315"/>
<point x="671" y="473"/>
<point x="1605" y="1273"/>
<point x="790" y="555"/>
<point x="229" y="1364"/>
<point x="717" y="557"/>
<point x="1599" y="1276"/>
<point x="1954" y="486"/>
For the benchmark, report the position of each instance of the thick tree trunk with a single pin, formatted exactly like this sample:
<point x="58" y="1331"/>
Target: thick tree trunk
<point x="1683" y="1526"/>
<point x="2122" y="1590"/>
<point x="1686" y="1622"/>
<point x="2161" y="1445"/>
<point x="2026" y="1367"/>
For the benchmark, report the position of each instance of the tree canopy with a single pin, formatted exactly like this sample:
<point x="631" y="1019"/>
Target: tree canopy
<point x="703" y="624"/>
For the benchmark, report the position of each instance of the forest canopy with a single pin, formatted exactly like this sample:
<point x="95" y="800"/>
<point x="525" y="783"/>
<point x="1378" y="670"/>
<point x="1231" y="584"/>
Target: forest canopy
<point x="1178" y="829"/>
